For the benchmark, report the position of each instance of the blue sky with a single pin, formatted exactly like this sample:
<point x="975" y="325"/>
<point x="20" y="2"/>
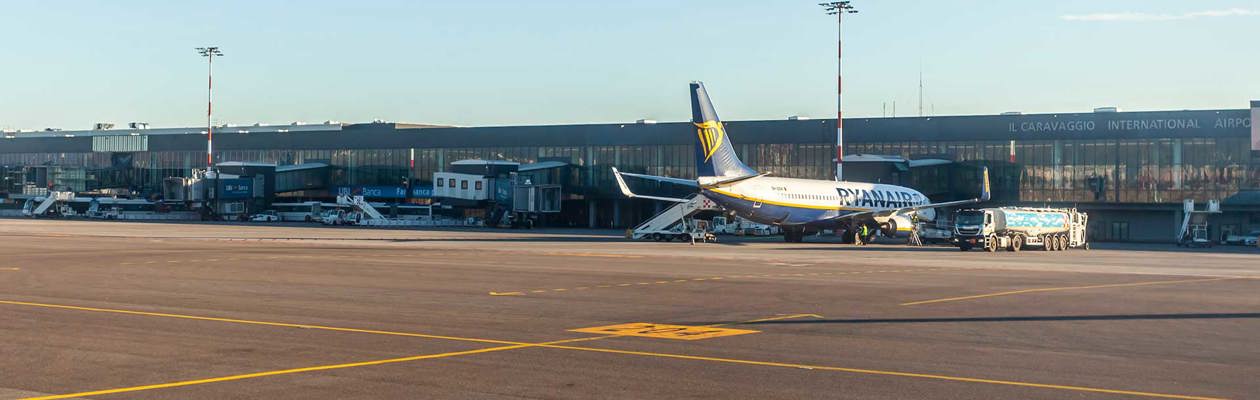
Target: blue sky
<point x="69" y="63"/>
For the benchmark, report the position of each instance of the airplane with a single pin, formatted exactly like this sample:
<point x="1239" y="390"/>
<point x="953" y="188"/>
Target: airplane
<point x="797" y="206"/>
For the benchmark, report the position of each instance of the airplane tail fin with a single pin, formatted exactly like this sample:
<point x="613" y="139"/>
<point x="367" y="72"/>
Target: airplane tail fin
<point x="985" y="191"/>
<point x="715" y="156"/>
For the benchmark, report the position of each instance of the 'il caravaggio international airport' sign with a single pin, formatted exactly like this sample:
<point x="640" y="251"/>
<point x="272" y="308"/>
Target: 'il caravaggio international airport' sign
<point x="1130" y="124"/>
<point x="1255" y="127"/>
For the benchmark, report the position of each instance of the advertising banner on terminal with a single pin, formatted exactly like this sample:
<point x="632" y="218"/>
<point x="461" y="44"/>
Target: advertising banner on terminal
<point x="1255" y="125"/>
<point x="236" y="188"/>
<point x="373" y="192"/>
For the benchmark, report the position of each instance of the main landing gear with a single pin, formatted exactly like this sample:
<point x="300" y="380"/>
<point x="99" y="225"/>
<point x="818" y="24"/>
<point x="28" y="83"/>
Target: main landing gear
<point x="793" y="234"/>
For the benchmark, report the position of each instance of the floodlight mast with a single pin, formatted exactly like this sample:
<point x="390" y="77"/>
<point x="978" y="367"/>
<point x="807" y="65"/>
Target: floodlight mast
<point x="839" y="9"/>
<point x="209" y="53"/>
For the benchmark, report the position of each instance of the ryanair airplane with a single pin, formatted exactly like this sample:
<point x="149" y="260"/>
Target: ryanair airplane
<point x="795" y="205"/>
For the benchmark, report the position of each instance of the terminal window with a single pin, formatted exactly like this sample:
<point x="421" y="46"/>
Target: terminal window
<point x="1119" y="231"/>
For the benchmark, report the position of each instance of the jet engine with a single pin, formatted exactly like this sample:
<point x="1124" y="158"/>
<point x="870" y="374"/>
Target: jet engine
<point x="896" y="226"/>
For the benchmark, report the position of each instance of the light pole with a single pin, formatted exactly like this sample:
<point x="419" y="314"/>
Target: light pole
<point x="839" y="9"/>
<point x="210" y="53"/>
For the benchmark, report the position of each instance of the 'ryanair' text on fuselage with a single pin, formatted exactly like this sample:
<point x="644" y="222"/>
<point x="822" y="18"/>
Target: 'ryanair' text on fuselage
<point x="879" y="198"/>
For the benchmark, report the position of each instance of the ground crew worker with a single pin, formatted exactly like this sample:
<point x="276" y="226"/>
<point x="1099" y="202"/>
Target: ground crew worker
<point x="915" y="240"/>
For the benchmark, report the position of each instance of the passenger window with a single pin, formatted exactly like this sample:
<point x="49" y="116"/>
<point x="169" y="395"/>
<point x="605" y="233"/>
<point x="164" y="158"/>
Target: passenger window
<point x="478" y="185"/>
<point x="463" y="185"/>
<point x="441" y="182"/>
<point x="450" y="183"/>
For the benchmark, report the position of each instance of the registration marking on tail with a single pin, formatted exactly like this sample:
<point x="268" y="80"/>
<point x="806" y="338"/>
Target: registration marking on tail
<point x="664" y="331"/>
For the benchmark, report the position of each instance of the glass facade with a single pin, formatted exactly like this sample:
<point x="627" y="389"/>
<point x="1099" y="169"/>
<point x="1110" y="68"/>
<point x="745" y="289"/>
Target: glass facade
<point x="1104" y="170"/>
<point x="1107" y="170"/>
<point x="1113" y="164"/>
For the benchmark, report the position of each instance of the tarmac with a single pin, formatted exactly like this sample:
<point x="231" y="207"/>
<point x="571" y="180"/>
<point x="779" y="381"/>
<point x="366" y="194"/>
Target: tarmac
<point x="118" y="310"/>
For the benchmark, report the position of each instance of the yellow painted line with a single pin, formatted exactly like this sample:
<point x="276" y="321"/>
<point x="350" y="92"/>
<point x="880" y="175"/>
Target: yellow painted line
<point x="507" y="294"/>
<point x="664" y="331"/>
<point x="278" y="372"/>
<point x="594" y="255"/>
<point x="715" y="278"/>
<point x="776" y="318"/>
<point x="1055" y="289"/>
<point x="555" y="345"/>
<point x="517" y="345"/>
<point x="252" y="322"/>
<point x="885" y="373"/>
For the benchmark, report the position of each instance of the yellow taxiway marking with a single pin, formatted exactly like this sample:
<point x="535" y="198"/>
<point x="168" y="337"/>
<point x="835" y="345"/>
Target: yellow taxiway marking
<point x="508" y="345"/>
<point x="273" y="373"/>
<point x="664" y="331"/>
<point x="604" y="255"/>
<point x="715" y="278"/>
<point x="1055" y="289"/>
<point x="10" y="269"/>
<point x="346" y="365"/>
<point x="252" y="322"/>
<point x="682" y="332"/>
<point x="885" y="373"/>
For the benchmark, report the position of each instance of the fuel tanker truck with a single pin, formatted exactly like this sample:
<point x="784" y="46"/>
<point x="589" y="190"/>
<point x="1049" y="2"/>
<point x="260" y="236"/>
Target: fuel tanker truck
<point x="1016" y="228"/>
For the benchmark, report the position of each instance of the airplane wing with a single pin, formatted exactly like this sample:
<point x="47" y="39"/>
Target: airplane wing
<point x="676" y="181"/>
<point x="625" y="189"/>
<point x="985" y="195"/>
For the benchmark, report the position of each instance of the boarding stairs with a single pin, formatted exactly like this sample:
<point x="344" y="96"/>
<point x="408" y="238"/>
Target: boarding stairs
<point x="373" y="217"/>
<point x="361" y="205"/>
<point x="675" y="220"/>
<point x="49" y="201"/>
<point x="1194" y="224"/>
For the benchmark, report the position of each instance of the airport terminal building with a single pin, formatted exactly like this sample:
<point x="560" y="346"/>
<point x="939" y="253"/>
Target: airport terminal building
<point x="1130" y="170"/>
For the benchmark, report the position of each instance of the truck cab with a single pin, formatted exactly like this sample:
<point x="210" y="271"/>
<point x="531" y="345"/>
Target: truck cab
<point x="973" y="227"/>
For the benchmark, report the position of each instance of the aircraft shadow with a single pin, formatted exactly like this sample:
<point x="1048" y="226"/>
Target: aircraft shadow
<point x="1042" y="318"/>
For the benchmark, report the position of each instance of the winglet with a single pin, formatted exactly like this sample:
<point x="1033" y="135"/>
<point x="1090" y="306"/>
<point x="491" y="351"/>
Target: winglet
<point x="621" y="183"/>
<point x="985" y="192"/>
<point x="625" y="190"/>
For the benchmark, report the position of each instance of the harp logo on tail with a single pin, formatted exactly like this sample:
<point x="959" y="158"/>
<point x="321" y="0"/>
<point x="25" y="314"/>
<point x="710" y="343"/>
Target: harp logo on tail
<point x="711" y="135"/>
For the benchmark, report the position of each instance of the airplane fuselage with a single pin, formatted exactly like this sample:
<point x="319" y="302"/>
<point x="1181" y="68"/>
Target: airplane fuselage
<point x="808" y="202"/>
